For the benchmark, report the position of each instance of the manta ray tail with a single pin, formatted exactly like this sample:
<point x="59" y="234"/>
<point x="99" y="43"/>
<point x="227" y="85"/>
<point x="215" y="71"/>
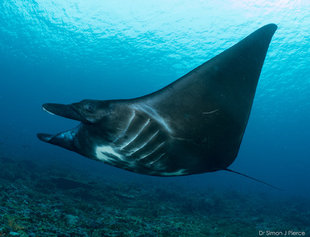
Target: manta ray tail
<point x="249" y="177"/>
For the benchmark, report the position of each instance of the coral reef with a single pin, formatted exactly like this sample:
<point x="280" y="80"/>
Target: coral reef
<point x="45" y="201"/>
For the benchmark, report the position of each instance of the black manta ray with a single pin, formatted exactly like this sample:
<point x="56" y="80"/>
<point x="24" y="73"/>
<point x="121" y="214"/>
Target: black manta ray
<point x="194" y="125"/>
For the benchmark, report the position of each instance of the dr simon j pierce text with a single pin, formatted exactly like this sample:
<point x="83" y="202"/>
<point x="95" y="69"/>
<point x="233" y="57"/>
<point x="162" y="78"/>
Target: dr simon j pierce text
<point x="281" y="233"/>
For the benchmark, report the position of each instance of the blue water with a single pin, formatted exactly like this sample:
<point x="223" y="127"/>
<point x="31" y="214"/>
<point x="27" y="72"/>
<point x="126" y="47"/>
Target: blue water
<point x="66" y="51"/>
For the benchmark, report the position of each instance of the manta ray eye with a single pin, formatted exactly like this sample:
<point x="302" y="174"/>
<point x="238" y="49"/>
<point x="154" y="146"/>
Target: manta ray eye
<point x="89" y="108"/>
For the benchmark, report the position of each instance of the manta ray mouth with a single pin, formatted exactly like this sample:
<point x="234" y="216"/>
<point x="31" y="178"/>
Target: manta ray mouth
<point x="63" y="139"/>
<point x="66" y="111"/>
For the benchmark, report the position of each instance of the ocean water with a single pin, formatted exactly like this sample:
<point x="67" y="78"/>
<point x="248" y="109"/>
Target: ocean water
<point x="66" y="51"/>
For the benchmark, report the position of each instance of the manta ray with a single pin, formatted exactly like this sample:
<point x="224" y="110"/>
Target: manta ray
<point x="193" y="125"/>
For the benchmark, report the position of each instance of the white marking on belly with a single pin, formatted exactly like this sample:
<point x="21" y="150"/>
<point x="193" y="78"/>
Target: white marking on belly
<point x="107" y="153"/>
<point x="210" y="112"/>
<point x="153" y="113"/>
<point x="48" y="111"/>
<point x="126" y="129"/>
<point x="156" y="148"/>
<point x="154" y="161"/>
<point x="177" y="173"/>
<point x="143" y="145"/>
<point x="138" y="133"/>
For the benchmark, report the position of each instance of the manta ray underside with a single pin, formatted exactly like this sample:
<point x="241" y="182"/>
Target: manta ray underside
<point x="194" y="125"/>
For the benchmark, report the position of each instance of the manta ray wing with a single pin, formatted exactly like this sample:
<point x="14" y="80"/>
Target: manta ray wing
<point x="208" y="108"/>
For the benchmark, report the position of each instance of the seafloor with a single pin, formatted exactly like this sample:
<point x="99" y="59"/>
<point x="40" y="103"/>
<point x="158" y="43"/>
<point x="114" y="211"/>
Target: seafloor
<point x="38" y="200"/>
